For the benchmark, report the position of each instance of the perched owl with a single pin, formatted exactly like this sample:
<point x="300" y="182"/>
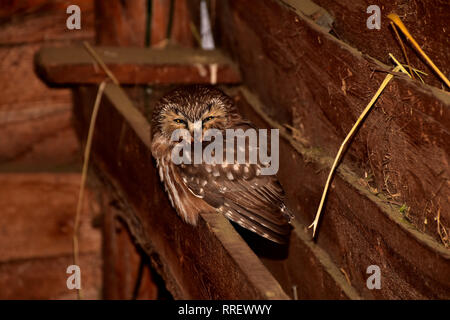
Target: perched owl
<point x="236" y="190"/>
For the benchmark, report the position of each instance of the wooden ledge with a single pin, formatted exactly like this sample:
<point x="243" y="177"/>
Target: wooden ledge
<point x="74" y="65"/>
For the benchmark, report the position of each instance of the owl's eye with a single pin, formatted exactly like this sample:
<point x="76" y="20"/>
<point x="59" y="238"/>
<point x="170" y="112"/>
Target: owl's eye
<point x="208" y="118"/>
<point x="180" y="121"/>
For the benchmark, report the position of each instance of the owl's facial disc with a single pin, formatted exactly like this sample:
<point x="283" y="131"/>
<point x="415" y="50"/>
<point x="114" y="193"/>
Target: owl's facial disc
<point x="172" y="120"/>
<point x="211" y="117"/>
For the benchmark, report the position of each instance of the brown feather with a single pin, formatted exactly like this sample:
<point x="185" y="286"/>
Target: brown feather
<point x="254" y="201"/>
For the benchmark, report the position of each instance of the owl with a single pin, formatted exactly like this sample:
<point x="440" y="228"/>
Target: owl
<point x="237" y="190"/>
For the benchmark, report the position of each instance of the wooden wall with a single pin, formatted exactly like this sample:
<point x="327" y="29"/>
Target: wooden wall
<point x="36" y="237"/>
<point x="40" y="160"/>
<point x="426" y="20"/>
<point x="35" y="118"/>
<point x="388" y="205"/>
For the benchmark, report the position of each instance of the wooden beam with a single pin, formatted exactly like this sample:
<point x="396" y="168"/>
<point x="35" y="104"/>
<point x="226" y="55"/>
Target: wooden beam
<point x="73" y="65"/>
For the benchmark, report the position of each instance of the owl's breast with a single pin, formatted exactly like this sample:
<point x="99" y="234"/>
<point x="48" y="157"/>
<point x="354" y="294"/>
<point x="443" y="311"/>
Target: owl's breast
<point x="184" y="201"/>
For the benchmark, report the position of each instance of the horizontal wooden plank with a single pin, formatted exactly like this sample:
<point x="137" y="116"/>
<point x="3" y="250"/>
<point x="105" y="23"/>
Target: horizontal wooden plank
<point x="15" y="9"/>
<point x="45" y="278"/>
<point x="16" y="66"/>
<point x="137" y="65"/>
<point x="26" y="22"/>
<point x="37" y="216"/>
<point x="35" y="118"/>
<point x="209" y="261"/>
<point x="40" y="135"/>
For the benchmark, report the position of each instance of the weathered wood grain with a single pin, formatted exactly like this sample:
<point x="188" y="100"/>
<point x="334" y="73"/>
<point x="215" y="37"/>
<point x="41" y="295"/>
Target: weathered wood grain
<point x="358" y="230"/>
<point x="37" y="216"/>
<point x="35" y="118"/>
<point x="16" y="65"/>
<point x="181" y="29"/>
<point x="318" y="84"/>
<point x="36" y="237"/>
<point x="46" y="22"/>
<point x="120" y="23"/>
<point x="23" y="279"/>
<point x="136" y="66"/>
<point x="159" y="21"/>
<point x="39" y="136"/>
<point x="427" y="21"/>
<point x="306" y="78"/>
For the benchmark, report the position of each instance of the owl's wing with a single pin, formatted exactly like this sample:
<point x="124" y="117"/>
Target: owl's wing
<point x="243" y="195"/>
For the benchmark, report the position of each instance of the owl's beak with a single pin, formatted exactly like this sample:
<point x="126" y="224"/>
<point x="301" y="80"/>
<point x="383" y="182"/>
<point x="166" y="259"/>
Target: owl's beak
<point x="195" y="129"/>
